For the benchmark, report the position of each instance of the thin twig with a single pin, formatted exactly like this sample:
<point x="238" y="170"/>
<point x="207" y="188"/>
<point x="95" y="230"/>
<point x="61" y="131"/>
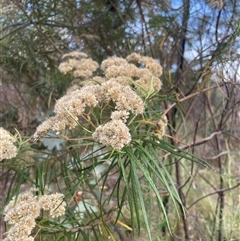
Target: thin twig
<point x="196" y="143"/>
<point x="217" y="156"/>
<point x="213" y="193"/>
<point x="188" y="97"/>
<point x="201" y="141"/>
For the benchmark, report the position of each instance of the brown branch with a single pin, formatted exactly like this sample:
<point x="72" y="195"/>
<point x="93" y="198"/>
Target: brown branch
<point x="217" y="156"/>
<point x="188" y="97"/>
<point x="145" y="25"/>
<point x="213" y="193"/>
<point x="180" y="63"/>
<point x="201" y="141"/>
<point x="196" y="143"/>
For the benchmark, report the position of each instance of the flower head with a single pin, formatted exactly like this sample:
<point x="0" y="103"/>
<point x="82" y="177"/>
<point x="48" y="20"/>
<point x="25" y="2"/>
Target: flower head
<point x="7" y="148"/>
<point x="24" y="209"/>
<point x="79" y="63"/>
<point x="120" y="115"/>
<point x="114" y="133"/>
<point x="123" y="96"/>
<point x="53" y="203"/>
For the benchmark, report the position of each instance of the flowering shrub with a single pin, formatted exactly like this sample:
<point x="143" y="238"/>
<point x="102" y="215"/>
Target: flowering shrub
<point x="109" y="126"/>
<point x="118" y="91"/>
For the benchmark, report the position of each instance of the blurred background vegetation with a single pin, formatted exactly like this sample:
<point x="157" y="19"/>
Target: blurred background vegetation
<point x="197" y="44"/>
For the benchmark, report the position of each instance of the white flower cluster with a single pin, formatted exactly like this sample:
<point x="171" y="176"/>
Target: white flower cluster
<point x="7" y="148"/>
<point x="79" y="64"/>
<point x="22" y="211"/>
<point x="114" y="89"/>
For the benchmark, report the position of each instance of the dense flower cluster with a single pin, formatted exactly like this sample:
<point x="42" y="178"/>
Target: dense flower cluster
<point x="143" y="72"/>
<point x="22" y="211"/>
<point x="114" y="133"/>
<point x="7" y="148"/>
<point x="119" y="87"/>
<point x="53" y="203"/>
<point x="79" y="63"/>
<point x="123" y="96"/>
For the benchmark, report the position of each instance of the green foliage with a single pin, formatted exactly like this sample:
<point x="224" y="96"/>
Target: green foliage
<point x="136" y="169"/>
<point x="184" y="185"/>
<point x="75" y="165"/>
